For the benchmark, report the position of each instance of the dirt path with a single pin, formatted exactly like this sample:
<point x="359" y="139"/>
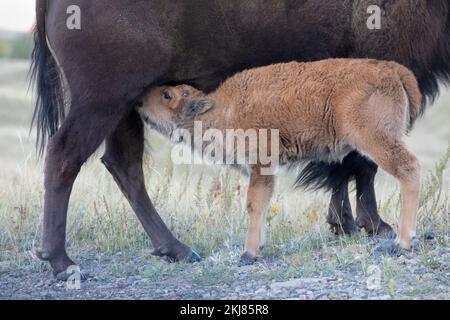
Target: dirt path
<point x="140" y="276"/>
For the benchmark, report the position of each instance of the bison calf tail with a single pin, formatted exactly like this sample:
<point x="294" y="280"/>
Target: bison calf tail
<point x="45" y="76"/>
<point x="412" y="90"/>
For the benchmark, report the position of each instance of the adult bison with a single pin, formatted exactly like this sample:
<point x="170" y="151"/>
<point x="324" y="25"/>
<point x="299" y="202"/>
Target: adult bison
<point x="125" y="46"/>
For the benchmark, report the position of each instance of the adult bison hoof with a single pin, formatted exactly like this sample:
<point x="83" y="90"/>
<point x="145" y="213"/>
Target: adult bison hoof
<point x="388" y="235"/>
<point x="63" y="267"/>
<point x="381" y="229"/>
<point x="247" y="259"/>
<point x="385" y="230"/>
<point x="193" y="257"/>
<point x="72" y="273"/>
<point x="186" y="254"/>
<point x="341" y="226"/>
<point x="343" y="229"/>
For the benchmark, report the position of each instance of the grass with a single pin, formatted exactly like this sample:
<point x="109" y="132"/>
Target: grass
<point x="212" y="275"/>
<point x="209" y="214"/>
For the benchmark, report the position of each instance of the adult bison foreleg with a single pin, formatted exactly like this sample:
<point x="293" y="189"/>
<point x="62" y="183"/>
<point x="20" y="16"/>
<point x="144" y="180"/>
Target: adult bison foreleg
<point x="123" y="159"/>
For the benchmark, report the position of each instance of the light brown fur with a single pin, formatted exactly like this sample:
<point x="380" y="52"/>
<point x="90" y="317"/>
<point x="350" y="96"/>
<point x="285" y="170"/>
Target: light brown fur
<point x="323" y="111"/>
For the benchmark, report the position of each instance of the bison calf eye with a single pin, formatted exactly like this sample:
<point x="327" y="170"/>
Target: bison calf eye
<point x="167" y="96"/>
<point x="186" y="93"/>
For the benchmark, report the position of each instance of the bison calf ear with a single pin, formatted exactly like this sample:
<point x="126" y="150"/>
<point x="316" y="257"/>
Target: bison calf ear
<point x="195" y="107"/>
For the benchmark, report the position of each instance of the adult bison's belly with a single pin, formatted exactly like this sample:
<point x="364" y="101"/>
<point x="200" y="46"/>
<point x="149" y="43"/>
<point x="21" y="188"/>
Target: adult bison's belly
<point x="132" y="44"/>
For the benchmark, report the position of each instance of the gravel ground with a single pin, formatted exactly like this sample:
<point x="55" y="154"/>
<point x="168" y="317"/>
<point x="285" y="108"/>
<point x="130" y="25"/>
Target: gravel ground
<point x="140" y="276"/>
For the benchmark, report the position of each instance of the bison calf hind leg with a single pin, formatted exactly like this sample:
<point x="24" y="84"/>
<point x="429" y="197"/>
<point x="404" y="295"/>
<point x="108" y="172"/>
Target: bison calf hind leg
<point x="393" y="156"/>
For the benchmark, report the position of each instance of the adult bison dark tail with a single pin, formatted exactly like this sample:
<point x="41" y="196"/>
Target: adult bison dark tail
<point x="329" y="176"/>
<point x="46" y="80"/>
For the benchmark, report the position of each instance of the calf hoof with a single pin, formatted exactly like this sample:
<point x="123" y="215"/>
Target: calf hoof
<point x="390" y="248"/>
<point x="72" y="273"/>
<point x="391" y="235"/>
<point x="247" y="259"/>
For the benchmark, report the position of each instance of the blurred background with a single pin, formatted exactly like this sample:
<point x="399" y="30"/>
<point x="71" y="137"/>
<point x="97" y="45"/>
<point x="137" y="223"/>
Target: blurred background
<point x="16" y="23"/>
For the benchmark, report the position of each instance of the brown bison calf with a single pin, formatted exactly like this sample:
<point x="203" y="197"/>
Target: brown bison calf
<point x="323" y="110"/>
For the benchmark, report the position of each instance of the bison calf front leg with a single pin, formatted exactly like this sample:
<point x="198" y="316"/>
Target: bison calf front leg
<point x="258" y="198"/>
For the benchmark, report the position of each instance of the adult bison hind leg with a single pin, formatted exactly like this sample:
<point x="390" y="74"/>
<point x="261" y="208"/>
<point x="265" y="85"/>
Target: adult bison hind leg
<point x="362" y="170"/>
<point x="123" y="159"/>
<point x="320" y="175"/>
<point x="367" y="216"/>
<point x="340" y="217"/>
<point x="84" y="129"/>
